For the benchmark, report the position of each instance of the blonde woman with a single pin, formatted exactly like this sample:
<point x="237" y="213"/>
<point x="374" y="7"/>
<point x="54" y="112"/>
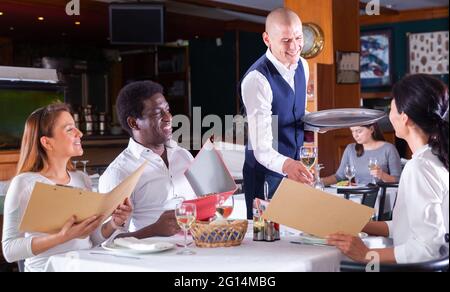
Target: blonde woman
<point x="49" y="141"/>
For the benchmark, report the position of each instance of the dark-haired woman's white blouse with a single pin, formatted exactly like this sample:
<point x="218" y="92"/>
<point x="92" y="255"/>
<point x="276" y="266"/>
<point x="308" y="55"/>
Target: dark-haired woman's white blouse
<point x="421" y="215"/>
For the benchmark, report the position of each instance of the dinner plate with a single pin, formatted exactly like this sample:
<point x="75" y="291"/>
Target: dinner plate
<point x="154" y="247"/>
<point x="358" y="186"/>
<point x="343" y="118"/>
<point x="306" y="238"/>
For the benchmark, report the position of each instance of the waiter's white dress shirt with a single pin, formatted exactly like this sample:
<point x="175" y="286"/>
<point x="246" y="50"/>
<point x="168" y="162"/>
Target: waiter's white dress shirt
<point x="420" y="217"/>
<point x="159" y="188"/>
<point x="257" y="97"/>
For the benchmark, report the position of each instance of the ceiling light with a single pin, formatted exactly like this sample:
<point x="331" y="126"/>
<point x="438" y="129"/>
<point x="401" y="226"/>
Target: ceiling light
<point x="40" y="18"/>
<point x="1" y="13"/>
<point x="77" y="23"/>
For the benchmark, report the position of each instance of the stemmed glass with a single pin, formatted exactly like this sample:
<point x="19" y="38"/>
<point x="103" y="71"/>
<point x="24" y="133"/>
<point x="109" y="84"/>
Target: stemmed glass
<point x="308" y="156"/>
<point x="224" y="206"/>
<point x="186" y="213"/>
<point x="373" y="165"/>
<point x="318" y="184"/>
<point x="85" y="162"/>
<point x="350" y="172"/>
<point x="75" y="162"/>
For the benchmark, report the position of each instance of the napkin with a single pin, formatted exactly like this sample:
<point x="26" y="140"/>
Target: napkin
<point x="141" y="245"/>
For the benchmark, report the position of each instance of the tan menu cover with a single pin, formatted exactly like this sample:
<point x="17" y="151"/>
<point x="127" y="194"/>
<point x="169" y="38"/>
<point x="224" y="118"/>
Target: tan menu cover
<point x="315" y="212"/>
<point x="50" y="206"/>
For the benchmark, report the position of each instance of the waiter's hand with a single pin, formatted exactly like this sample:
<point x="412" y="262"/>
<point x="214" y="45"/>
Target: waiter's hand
<point x="295" y="170"/>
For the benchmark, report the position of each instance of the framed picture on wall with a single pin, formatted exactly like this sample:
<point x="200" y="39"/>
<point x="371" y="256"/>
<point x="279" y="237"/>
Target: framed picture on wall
<point x="376" y="58"/>
<point x="347" y="67"/>
<point x="428" y="53"/>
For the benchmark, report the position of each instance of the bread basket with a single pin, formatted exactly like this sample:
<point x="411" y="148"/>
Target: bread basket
<point x="219" y="233"/>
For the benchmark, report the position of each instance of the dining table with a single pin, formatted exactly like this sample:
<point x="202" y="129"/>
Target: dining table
<point x="289" y="254"/>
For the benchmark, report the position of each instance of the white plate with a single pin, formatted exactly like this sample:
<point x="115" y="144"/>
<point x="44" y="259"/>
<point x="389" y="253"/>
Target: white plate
<point x="158" y="247"/>
<point x="306" y="238"/>
<point x="358" y="186"/>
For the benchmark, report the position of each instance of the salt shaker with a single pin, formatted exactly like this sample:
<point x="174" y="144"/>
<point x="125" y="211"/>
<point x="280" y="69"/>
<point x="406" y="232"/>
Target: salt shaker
<point x="258" y="223"/>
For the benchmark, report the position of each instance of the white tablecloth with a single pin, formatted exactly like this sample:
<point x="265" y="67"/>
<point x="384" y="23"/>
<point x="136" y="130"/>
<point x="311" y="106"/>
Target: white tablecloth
<point x="251" y="256"/>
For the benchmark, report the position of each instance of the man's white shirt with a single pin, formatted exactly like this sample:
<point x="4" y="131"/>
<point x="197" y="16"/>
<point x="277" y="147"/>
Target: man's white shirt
<point x="159" y="188"/>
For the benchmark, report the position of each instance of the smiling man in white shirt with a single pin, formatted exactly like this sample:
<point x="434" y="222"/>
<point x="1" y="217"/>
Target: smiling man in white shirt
<point x="274" y="89"/>
<point x="145" y="114"/>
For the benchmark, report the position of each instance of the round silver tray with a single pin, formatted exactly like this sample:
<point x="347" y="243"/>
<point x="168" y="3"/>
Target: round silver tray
<point x="343" y="118"/>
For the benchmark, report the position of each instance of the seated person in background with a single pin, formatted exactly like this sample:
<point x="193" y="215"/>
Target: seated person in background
<point x="370" y="143"/>
<point x="419" y="114"/>
<point x="49" y="141"/>
<point x="145" y="114"/>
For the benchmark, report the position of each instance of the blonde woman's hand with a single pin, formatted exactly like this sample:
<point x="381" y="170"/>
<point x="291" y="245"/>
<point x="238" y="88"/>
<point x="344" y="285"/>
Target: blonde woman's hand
<point x="72" y="230"/>
<point x="122" y="213"/>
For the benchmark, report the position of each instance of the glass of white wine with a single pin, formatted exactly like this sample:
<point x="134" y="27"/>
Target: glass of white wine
<point x="373" y="165"/>
<point x="308" y="156"/>
<point x="186" y="213"/>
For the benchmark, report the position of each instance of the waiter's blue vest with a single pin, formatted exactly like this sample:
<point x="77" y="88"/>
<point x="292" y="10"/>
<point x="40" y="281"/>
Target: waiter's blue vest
<point x="288" y="106"/>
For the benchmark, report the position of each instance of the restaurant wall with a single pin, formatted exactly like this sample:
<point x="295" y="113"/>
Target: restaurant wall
<point x="400" y="43"/>
<point x="214" y="75"/>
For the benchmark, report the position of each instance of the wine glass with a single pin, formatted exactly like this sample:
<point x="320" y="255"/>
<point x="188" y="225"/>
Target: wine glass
<point x="75" y="162"/>
<point x="350" y="172"/>
<point x="318" y="184"/>
<point x="224" y="206"/>
<point x="373" y="165"/>
<point x="85" y="162"/>
<point x="186" y="214"/>
<point x="308" y="156"/>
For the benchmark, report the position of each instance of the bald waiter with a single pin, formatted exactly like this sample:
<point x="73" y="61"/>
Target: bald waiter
<point x="274" y="95"/>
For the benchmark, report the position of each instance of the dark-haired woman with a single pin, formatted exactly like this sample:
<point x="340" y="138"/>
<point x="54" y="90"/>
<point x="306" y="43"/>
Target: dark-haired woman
<point x="49" y="141"/>
<point x="369" y="144"/>
<point x="419" y="114"/>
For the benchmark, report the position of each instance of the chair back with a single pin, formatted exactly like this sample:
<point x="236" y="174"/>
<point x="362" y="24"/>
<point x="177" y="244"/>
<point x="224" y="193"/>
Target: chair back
<point x="21" y="266"/>
<point x="382" y="216"/>
<point x="369" y="194"/>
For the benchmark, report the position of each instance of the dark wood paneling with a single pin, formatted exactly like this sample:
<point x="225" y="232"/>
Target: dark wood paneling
<point x="6" y="52"/>
<point x="408" y="15"/>
<point x="8" y="164"/>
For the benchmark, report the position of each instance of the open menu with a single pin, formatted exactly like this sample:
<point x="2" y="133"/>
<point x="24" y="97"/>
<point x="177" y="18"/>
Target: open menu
<point x="209" y="177"/>
<point x="50" y="206"/>
<point x="316" y="212"/>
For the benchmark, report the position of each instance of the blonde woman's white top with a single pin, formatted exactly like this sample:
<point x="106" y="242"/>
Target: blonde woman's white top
<point x="421" y="214"/>
<point x="17" y="245"/>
